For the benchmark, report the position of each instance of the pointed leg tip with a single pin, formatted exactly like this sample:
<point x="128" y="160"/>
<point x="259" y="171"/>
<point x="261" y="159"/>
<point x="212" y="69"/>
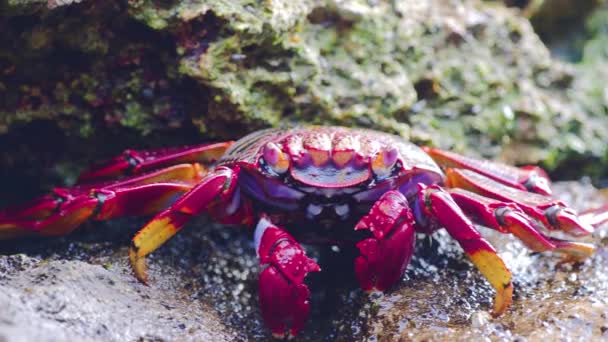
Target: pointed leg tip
<point x="138" y="265"/>
<point x="574" y="252"/>
<point x="503" y="300"/>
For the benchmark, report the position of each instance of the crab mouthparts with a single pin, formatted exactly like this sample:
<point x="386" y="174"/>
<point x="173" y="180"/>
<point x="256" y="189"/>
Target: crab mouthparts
<point x="331" y="176"/>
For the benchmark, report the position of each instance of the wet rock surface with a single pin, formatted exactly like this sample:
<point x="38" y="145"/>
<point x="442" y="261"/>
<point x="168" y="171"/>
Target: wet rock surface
<point x="204" y="281"/>
<point x="83" y="80"/>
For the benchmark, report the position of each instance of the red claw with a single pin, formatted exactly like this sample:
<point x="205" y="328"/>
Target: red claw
<point x="385" y="256"/>
<point x="282" y="292"/>
<point x="282" y="302"/>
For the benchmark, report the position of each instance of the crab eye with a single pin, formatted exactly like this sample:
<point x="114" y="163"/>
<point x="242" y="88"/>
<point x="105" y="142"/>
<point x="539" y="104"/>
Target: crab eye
<point x="383" y="162"/>
<point x="275" y="158"/>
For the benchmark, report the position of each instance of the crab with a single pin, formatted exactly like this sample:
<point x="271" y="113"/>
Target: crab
<point x="332" y="185"/>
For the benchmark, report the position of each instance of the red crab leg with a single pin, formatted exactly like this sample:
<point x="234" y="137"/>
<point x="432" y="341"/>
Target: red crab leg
<point x="438" y="204"/>
<point x="217" y="186"/>
<point x="596" y="217"/>
<point x="385" y="256"/>
<point x="132" y="162"/>
<point x="552" y="213"/>
<point x="509" y="218"/>
<point x="527" y="178"/>
<point x="67" y="208"/>
<point x="282" y="293"/>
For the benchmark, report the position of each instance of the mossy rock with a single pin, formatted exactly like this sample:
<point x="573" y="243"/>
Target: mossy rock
<point x="90" y="78"/>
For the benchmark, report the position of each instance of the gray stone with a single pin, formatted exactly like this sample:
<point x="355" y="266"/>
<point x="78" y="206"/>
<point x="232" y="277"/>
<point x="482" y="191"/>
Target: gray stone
<point x="204" y="287"/>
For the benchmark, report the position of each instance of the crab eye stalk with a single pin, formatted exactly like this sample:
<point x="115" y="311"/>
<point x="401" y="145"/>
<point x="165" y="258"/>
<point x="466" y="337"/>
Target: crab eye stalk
<point x="383" y="162"/>
<point x="275" y="158"/>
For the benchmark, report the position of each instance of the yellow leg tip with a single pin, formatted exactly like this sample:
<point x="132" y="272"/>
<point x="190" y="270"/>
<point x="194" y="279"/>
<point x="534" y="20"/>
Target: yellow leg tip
<point x="576" y="251"/>
<point x="503" y="299"/>
<point x="138" y="264"/>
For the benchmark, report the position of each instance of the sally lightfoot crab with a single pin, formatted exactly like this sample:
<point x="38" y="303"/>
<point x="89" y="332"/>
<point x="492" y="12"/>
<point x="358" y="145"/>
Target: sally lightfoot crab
<point x="330" y="185"/>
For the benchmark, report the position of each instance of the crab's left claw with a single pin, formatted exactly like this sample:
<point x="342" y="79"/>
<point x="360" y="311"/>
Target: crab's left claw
<point x="215" y="186"/>
<point x="386" y="254"/>
<point x="282" y="292"/>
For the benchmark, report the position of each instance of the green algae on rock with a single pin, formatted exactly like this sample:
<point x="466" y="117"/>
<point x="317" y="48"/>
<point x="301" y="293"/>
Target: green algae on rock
<point x="471" y="76"/>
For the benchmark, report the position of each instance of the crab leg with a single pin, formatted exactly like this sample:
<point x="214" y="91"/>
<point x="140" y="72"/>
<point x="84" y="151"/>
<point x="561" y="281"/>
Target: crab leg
<point x="439" y="205"/>
<point x="66" y="208"/>
<point x="216" y="186"/>
<point x="554" y="214"/>
<point x="282" y="293"/>
<point x="132" y="162"/>
<point x="596" y="217"/>
<point x="509" y="218"/>
<point x="386" y="254"/>
<point x="527" y="178"/>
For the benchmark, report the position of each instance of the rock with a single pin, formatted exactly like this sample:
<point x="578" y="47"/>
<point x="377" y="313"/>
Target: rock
<point x="82" y="80"/>
<point x="70" y="300"/>
<point x="451" y="303"/>
<point x="88" y="79"/>
<point x="204" y="281"/>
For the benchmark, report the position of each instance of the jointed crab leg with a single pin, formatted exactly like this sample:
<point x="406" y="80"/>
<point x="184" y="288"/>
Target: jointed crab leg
<point x="439" y="205"/>
<point x="508" y="218"/>
<point x="552" y="213"/>
<point x="218" y="185"/>
<point x="596" y="217"/>
<point x="132" y="162"/>
<point x="67" y="208"/>
<point x="528" y="178"/>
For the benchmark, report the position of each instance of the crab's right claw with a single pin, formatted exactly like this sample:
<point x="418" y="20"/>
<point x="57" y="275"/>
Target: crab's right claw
<point x="282" y="292"/>
<point x="284" y="304"/>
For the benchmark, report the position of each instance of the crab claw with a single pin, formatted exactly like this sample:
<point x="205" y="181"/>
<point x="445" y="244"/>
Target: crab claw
<point x="283" y="303"/>
<point x="282" y="293"/>
<point x="385" y="256"/>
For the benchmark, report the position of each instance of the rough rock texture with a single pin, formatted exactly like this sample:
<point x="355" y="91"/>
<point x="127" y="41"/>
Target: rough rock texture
<point x="442" y="300"/>
<point x="67" y="300"/>
<point x="203" y="287"/>
<point x="88" y="78"/>
<point x="80" y="80"/>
